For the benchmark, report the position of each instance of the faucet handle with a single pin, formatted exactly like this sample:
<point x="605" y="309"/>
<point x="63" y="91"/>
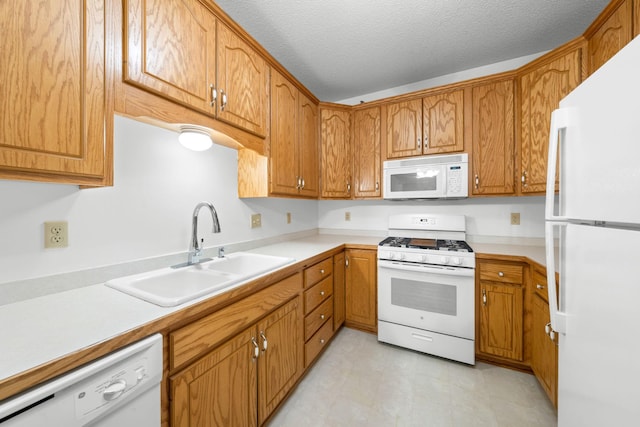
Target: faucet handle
<point x="221" y="252"/>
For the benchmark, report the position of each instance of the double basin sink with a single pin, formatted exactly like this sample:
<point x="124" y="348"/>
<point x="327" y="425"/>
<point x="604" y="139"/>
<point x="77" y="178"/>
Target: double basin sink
<point x="169" y="286"/>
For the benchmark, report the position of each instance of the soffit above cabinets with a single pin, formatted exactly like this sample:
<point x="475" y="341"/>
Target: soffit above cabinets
<point x="341" y="49"/>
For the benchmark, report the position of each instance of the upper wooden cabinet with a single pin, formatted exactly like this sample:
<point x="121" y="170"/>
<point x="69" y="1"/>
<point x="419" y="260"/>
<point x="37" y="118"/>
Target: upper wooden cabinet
<point x="493" y="146"/>
<point x="542" y="85"/>
<point x="179" y="50"/>
<point x="336" y="152"/>
<point x="366" y="153"/>
<point x="404" y="128"/>
<point x="443" y="123"/>
<point x="294" y="140"/>
<point x="609" y="33"/>
<point x="56" y="118"/>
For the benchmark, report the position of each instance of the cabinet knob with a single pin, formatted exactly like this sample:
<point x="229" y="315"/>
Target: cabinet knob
<point x="322" y="271"/>
<point x="500" y="273"/>
<point x="214" y="96"/>
<point x="484" y="297"/>
<point x="224" y="100"/>
<point x="322" y="317"/>
<point x="539" y="286"/>
<point x="524" y="178"/>
<point x="477" y="181"/>
<point x="348" y="187"/>
<point x="377" y="186"/>
<point x="302" y="183"/>
<point x="321" y="293"/>
<point x="322" y="341"/>
<point x="419" y="143"/>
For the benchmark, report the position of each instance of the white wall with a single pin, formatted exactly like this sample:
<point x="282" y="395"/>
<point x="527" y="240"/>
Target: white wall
<point x="485" y="216"/>
<point x="147" y="213"/>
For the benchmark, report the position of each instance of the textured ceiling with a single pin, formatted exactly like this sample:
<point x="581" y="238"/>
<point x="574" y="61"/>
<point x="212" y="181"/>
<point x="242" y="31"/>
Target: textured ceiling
<point x="344" y="48"/>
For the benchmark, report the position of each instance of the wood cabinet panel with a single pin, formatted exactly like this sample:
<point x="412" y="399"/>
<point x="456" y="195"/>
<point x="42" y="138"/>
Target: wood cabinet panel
<point x="170" y="48"/>
<point x="361" y="289"/>
<point x="317" y="317"/>
<point x="336" y="153"/>
<point x="636" y="18"/>
<point x="55" y="114"/>
<point x="443" y="122"/>
<point x="367" y="170"/>
<point x="541" y="90"/>
<point x="318" y="272"/>
<point x="502" y="272"/>
<point x="314" y="346"/>
<point x="243" y="83"/>
<point x="317" y="293"/>
<point x="281" y="360"/>
<point x="338" y="291"/>
<point x="404" y="129"/>
<point x="284" y="148"/>
<point x="308" y="147"/>
<point x="544" y="352"/>
<point x="611" y="35"/>
<point x="501" y="320"/>
<point x="493" y="153"/>
<point x="218" y="390"/>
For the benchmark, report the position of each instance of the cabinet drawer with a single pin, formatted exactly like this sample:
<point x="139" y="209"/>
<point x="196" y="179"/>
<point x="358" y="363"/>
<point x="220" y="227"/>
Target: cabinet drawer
<point x="317" y="317"/>
<point x="316" y="294"/>
<point x="201" y="336"/>
<point x="313" y="347"/>
<point x="539" y="283"/>
<point x="317" y="272"/>
<point x="499" y="272"/>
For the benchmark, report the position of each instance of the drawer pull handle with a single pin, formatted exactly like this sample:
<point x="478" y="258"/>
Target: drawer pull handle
<point x="321" y="340"/>
<point x="321" y="293"/>
<point x="322" y="317"/>
<point x="501" y="274"/>
<point x="539" y="286"/>
<point x="422" y="337"/>
<point x="322" y="271"/>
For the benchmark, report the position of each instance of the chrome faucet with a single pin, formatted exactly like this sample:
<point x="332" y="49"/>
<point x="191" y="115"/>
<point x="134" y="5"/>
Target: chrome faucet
<point x="195" y="250"/>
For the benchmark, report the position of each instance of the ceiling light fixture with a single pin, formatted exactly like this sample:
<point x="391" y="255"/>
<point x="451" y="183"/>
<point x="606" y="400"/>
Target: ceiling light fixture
<point x="195" y="138"/>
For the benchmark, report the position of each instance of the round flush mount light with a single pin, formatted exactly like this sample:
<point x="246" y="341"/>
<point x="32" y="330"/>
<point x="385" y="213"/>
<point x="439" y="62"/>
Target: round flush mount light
<point x="195" y="138"/>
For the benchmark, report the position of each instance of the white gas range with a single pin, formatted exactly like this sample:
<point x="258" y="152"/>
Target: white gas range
<point x="426" y="286"/>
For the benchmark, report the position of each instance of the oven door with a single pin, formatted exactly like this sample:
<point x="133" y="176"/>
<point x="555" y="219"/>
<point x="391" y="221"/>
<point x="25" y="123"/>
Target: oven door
<point x="433" y="298"/>
<point x="415" y="182"/>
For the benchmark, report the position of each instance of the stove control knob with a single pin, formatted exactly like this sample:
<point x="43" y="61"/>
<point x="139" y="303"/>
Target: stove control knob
<point x="456" y="260"/>
<point x="444" y="259"/>
<point x="402" y="256"/>
<point x="392" y="255"/>
<point x="423" y="258"/>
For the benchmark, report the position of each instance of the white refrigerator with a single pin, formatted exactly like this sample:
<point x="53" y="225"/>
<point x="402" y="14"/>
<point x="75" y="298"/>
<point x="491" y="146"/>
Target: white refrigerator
<point x="595" y="220"/>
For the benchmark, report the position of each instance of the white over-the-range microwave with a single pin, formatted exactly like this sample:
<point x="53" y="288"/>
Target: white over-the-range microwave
<point x="427" y="177"/>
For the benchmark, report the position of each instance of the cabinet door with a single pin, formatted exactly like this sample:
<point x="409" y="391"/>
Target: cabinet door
<point x="541" y="91"/>
<point x="443" y="122"/>
<point x="361" y="289"/>
<point x="284" y="150"/>
<point x="52" y="96"/>
<point x="243" y="83"/>
<point x="338" y="291"/>
<point x="493" y="139"/>
<point x="404" y="128"/>
<point x="636" y="18"/>
<point x="281" y="360"/>
<point x="220" y="389"/>
<point x="501" y="320"/>
<point x="170" y="49"/>
<point x="336" y="153"/>
<point x="614" y="33"/>
<point x="366" y="153"/>
<point x="544" y="352"/>
<point x="308" y="147"/>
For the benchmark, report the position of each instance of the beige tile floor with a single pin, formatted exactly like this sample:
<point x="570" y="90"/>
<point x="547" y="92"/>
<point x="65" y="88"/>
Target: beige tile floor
<point x="361" y="382"/>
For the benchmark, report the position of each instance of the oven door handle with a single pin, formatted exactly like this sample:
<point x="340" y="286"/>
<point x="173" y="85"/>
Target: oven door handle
<point x="424" y="268"/>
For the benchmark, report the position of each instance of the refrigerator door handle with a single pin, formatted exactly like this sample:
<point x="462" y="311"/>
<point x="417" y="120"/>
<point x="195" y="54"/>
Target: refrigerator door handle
<point x="558" y="318"/>
<point x="559" y="120"/>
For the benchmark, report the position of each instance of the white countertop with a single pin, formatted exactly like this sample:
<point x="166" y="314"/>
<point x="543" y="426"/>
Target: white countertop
<point x="42" y="329"/>
<point x="39" y="330"/>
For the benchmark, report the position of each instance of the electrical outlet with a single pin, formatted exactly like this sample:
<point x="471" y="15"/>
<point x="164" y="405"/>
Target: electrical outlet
<point x="56" y="234"/>
<point x="347" y="216"/>
<point x="515" y="218"/>
<point x="256" y="220"/>
<point x="288" y="217"/>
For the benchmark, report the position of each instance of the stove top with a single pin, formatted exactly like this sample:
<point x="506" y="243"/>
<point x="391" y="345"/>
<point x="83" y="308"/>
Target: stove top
<point x="422" y="243"/>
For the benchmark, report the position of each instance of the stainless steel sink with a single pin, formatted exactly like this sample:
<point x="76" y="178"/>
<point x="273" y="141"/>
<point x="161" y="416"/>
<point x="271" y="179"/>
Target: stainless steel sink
<point x="169" y="287"/>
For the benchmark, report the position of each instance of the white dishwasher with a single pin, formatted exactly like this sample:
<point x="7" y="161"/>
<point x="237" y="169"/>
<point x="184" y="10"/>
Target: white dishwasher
<point x="120" y="389"/>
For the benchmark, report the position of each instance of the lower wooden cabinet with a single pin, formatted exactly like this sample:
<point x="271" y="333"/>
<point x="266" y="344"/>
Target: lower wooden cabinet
<point x="361" y="290"/>
<point x="544" y="350"/>
<point x="318" y="308"/>
<point x="500" y="307"/>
